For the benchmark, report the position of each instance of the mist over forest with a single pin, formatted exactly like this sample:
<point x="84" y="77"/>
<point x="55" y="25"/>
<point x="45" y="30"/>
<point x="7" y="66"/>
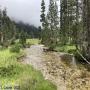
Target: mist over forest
<point x="45" y="44"/>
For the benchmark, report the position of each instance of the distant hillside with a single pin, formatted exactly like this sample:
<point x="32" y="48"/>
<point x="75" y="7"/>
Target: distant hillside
<point x="31" y="30"/>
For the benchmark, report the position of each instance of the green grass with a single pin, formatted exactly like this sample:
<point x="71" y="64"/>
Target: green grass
<point x="65" y="48"/>
<point x="33" y="41"/>
<point x="30" y="41"/>
<point x="8" y="59"/>
<point x="12" y="71"/>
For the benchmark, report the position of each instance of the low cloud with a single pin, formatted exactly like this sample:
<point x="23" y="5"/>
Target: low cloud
<point x="24" y="10"/>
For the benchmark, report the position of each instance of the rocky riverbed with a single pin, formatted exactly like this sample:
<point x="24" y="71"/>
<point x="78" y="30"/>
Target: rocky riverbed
<point x="55" y="68"/>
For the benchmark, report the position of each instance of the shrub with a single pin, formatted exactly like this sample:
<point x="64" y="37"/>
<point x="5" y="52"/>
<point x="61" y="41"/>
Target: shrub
<point x="22" y="38"/>
<point x="72" y="51"/>
<point x="12" y="42"/>
<point x="51" y="47"/>
<point x="2" y="48"/>
<point x="7" y="71"/>
<point x="28" y="45"/>
<point x="15" y="48"/>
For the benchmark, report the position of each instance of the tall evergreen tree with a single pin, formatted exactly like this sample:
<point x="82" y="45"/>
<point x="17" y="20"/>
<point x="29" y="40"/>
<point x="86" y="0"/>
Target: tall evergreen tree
<point x="7" y="28"/>
<point x="64" y="21"/>
<point x="53" y="22"/>
<point x="0" y="25"/>
<point x="42" y="13"/>
<point x="43" y="20"/>
<point x="86" y="20"/>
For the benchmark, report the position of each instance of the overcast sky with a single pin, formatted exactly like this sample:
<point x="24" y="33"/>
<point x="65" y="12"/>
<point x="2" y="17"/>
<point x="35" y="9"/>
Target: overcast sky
<point x="24" y="10"/>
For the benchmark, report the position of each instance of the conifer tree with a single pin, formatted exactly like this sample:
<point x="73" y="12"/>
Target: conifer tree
<point x="53" y="22"/>
<point x="86" y="21"/>
<point x="43" y="20"/>
<point x="43" y="13"/>
<point x="0" y="25"/>
<point x="7" y="29"/>
<point x="22" y="38"/>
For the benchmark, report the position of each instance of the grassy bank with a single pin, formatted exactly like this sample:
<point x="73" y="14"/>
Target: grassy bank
<point x="65" y="48"/>
<point x="13" y="72"/>
<point x="33" y="41"/>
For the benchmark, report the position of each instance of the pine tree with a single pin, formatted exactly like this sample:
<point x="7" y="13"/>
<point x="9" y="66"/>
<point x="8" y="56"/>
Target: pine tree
<point x="46" y="32"/>
<point x="56" y="22"/>
<point x="64" y="21"/>
<point x="6" y="22"/>
<point x="43" y="13"/>
<point x="0" y="25"/>
<point x="70" y="21"/>
<point x="0" y="18"/>
<point x="22" y="38"/>
<point x="7" y="29"/>
<point x="86" y="21"/>
<point x="43" y="20"/>
<point x="53" y="22"/>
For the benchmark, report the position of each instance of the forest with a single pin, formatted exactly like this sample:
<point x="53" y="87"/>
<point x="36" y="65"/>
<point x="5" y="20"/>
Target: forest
<point x="11" y="30"/>
<point x="53" y="56"/>
<point x="67" y="25"/>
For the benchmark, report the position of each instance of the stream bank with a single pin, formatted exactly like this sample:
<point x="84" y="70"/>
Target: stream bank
<point x="55" y="68"/>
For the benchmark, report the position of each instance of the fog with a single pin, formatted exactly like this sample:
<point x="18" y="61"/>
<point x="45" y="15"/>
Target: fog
<point x="24" y="10"/>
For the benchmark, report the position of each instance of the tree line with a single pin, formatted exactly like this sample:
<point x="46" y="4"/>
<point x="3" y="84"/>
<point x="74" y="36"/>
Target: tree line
<point x="11" y="30"/>
<point x="67" y="24"/>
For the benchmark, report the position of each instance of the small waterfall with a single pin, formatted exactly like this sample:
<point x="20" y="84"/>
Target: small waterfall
<point x="74" y="62"/>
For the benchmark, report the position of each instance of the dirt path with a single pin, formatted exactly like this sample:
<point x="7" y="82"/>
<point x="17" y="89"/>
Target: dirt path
<point x="53" y="69"/>
<point x="37" y="58"/>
